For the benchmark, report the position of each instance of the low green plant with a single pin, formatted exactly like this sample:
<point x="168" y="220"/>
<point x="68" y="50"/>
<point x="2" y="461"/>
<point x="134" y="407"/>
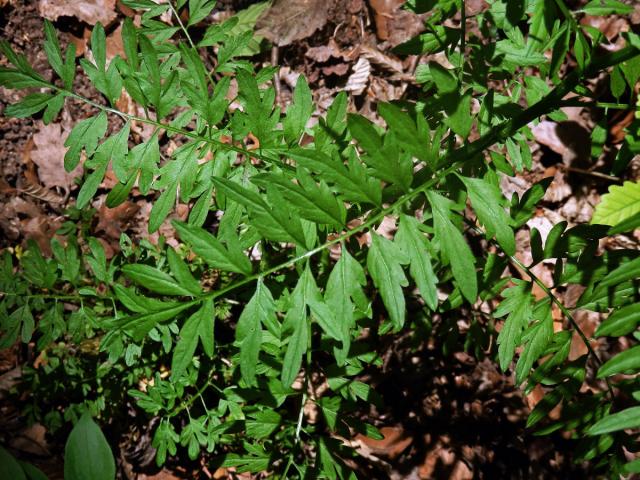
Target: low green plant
<point x="289" y="231"/>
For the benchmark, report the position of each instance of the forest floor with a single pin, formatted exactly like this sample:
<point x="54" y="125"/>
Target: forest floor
<point x="444" y="416"/>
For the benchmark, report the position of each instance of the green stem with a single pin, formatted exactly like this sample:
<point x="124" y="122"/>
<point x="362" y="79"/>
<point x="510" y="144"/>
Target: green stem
<point x="189" y="39"/>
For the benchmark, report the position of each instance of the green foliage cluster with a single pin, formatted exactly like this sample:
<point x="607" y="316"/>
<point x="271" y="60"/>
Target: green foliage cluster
<point x="228" y="370"/>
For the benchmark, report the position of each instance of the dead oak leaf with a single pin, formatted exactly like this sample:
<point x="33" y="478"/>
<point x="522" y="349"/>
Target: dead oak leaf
<point x="48" y="155"/>
<point x="89" y="11"/>
<point x="289" y="20"/>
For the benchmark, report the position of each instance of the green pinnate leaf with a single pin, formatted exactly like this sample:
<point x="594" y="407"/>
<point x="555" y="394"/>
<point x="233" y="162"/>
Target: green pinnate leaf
<point x="29" y="105"/>
<point x="487" y="201"/>
<point x="626" y="419"/>
<point x="212" y="250"/>
<point x="85" y="135"/>
<point x="517" y="305"/>
<point x="260" y="310"/>
<point x="414" y="245"/>
<point x="455" y="250"/>
<point x="299" y="112"/>
<point x="627" y="361"/>
<point x="155" y="280"/>
<point x="384" y="261"/>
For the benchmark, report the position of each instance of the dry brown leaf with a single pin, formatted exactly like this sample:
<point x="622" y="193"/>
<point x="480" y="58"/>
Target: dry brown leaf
<point x="89" y="11"/>
<point x="324" y="53"/>
<point x="384" y="11"/>
<point x="113" y="221"/>
<point x="114" y="44"/>
<point x="395" y="442"/>
<point x="48" y="155"/>
<point x="289" y="20"/>
<point x="41" y="229"/>
<point x="385" y="61"/>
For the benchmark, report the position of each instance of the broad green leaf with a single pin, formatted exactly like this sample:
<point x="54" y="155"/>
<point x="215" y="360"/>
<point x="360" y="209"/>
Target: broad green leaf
<point x="138" y="326"/>
<point x="352" y="183"/>
<point x="114" y="148"/>
<point x="186" y="346"/>
<point x="320" y="311"/>
<point x="414" y="245"/>
<point x="445" y="80"/>
<point x="607" y="7"/>
<point x="459" y="117"/>
<point x="274" y="223"/>
<point x="436" y="39"/>
<point x="620" y="322"/>
<point x="384" y="261"/>
<point x="620" y="204"/>
<point x="517" y="304"/>
<point x="536" y="339"/>
<point x="52" y="48"/>
<point x="155" y="280"/>
<point x="405" y="130"/>
<point x="261" y="309"/>
<point x="85" y="135"/>
<point x="182" y="274"/>
<point x="296" y="320"/>
<point x="627" y="225"/>
<point x="206" y="326"/>
<point x="486" y="199"/>
<point x="314" y="202"/>
<point x="162" y="207"/>
<point x="383" y="156"/>
<point x="9" y="467"/>
<point x="344" y="292"/>
<point x="626" y="419"/>
<point x="454" y="248"/>
<point x="199" y="10"/>
<point x="627" y="361"/>
<point x="298" y="112"/>
<point x="130" y="43"/>
<point x="28" y="106"/>
<point x="212" y="250"/>
<point x="626" y="271"/>
<point x="262" y="424"/>
<point x="87" y="453"/>
<point x="33" y="473"/>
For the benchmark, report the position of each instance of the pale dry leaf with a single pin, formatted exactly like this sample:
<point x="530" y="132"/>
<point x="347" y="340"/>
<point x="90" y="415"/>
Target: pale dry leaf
<point x="89" y="11"/>
<point x="286" y="21"/>
<point x="48" y="155"/>
<point x="115" y="45"/>
<point x="358" y="80"/>
<point x="324" y="53"/>
<point x="385" y="61"/>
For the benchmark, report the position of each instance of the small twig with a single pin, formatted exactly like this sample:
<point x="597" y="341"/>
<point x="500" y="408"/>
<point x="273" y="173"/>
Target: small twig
<point x="602" y="176"/>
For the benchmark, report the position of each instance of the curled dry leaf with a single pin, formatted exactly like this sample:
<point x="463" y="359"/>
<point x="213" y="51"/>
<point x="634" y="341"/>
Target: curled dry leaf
<point x="358" y="80"/>
<point x="385" y="61"/>
<point x="48" y="155"/>
<point x="289" y="20"/>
